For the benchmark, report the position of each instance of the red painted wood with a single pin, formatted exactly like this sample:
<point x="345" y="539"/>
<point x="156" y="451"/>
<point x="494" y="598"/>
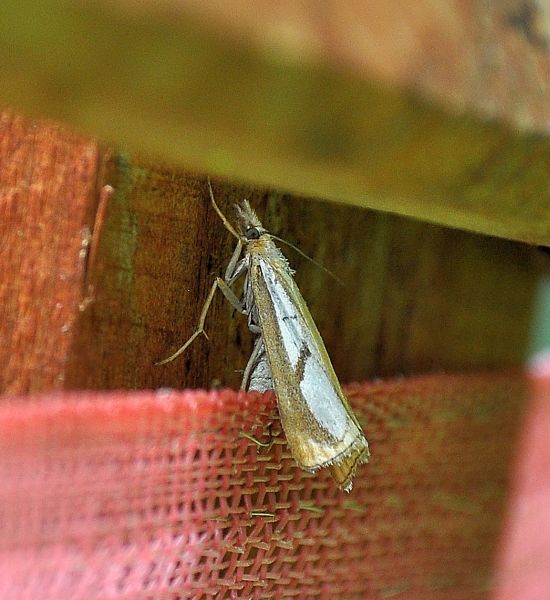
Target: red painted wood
<point x="47" y="201"/>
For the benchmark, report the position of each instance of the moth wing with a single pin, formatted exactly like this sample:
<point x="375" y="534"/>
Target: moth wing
<point x="319" y="424"/>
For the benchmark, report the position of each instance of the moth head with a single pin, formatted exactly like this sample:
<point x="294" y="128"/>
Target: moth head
<point x="250" y="226"/>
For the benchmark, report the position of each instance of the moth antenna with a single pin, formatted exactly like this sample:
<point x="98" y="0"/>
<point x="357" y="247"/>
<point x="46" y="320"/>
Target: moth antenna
<point x="312" y="260"/>
<point x="226" y="223"/>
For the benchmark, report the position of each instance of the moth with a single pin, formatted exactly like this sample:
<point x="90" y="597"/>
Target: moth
<point x="289" y="355"/>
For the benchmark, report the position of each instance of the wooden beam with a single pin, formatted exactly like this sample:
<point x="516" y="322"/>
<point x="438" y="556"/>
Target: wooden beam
<point x="95" y="287"/>
<point x="176" y="90"/>
<point x="416" y="297"/>
<point x="47" y="207"/>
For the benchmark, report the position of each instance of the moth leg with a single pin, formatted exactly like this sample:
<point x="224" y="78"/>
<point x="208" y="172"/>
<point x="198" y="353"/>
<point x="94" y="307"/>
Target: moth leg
<point x="233" y="300"/>
<point x="225" y="222"/>
<point x="256" y="352"/>
<point x="256" y="441"/>
<point x="229" y="296"/>
<point x="234" y="269"/>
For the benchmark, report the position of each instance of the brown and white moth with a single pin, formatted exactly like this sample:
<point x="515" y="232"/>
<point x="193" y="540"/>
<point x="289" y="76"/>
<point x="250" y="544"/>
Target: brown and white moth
<point x="289" y="355"/>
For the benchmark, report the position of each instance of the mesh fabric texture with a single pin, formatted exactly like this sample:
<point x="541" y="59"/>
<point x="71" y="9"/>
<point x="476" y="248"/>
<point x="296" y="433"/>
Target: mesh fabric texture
<point x="156" y="495"/>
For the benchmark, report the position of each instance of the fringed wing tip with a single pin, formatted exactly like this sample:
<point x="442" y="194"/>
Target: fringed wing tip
<point x="344" y="471"/>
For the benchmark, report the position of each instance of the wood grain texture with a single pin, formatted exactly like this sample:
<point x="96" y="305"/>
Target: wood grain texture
<point x="47" y="198"/>
<point x="193" y="91"/>
<point x="415" y="298"/>
<point x="97" y="313"/>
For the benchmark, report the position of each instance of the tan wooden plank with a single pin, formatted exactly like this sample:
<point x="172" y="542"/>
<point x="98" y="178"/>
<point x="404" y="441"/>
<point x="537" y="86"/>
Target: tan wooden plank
<point x="178" y="90"/>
